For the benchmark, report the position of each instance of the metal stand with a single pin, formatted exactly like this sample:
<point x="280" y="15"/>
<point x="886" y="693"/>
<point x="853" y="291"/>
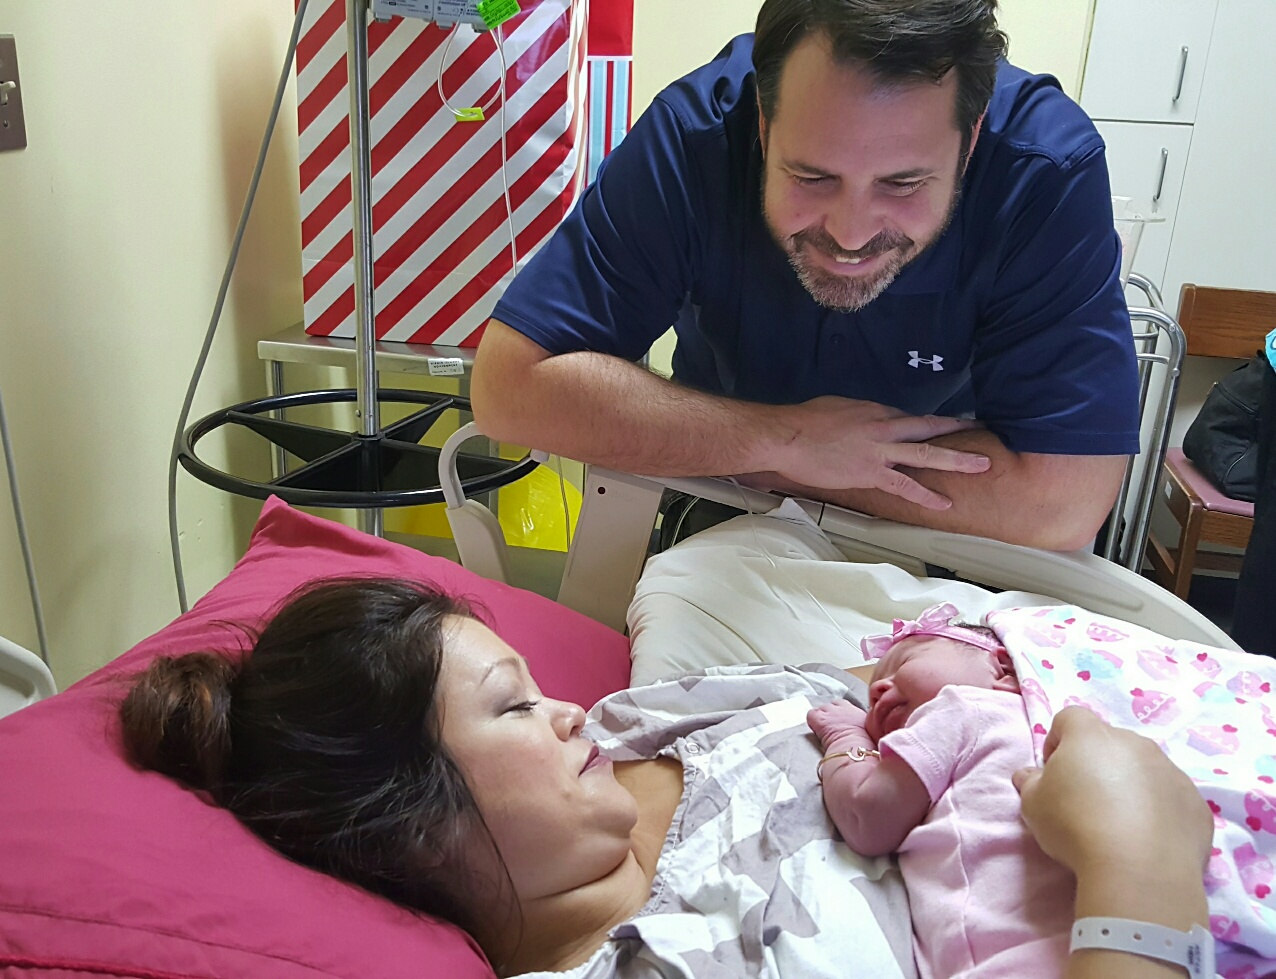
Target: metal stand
<point x="371" y="468"/>
<point x="1143" y="475"/>
<point x="373" y="520"/>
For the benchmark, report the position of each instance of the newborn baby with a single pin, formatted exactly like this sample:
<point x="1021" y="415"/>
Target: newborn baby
<point x="946" y="716"/>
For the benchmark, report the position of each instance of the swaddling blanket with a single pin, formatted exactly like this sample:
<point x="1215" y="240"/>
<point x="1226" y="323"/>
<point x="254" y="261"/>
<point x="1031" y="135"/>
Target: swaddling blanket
<point x="753" y="881"/>
<point x="1212" y="711"/>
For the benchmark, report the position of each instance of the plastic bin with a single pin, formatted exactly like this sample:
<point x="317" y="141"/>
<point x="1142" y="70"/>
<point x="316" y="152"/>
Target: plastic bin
<point x="1130" y="217"/>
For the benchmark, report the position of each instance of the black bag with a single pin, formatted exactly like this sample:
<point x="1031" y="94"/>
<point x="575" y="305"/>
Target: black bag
<point x="1222" y="440"/>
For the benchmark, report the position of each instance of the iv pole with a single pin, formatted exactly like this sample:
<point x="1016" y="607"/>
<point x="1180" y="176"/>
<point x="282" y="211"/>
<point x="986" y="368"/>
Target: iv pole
<point x="372" y="468"/>
<point x="371" y="521"/>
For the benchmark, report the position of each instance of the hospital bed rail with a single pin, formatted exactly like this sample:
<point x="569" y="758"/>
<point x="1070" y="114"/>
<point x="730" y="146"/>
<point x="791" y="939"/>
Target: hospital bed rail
<point x="619" y="511"/>
<point x="1161" y="345"/>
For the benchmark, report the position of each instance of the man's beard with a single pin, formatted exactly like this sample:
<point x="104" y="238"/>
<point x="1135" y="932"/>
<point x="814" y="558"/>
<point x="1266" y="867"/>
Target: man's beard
<point x="846" y="294"/>
<point x="849" y="294"/>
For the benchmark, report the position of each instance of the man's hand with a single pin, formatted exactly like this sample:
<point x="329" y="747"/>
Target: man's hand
<point x="840" y="443"/>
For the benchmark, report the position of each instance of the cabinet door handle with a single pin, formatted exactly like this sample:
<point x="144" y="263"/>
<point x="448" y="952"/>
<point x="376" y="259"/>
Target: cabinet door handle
<point x="1160" y="181"/>
<point x="1178" y="90"/>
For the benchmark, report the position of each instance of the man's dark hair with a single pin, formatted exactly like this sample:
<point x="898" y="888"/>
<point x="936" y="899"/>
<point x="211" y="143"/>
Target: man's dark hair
<point x="897" y="40"/>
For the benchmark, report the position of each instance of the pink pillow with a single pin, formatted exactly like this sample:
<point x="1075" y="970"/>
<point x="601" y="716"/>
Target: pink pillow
<point x="105" y="870"/>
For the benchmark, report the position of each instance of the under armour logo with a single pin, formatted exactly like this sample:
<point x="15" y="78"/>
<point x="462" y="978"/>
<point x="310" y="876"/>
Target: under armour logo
<point x="915" y="360"/>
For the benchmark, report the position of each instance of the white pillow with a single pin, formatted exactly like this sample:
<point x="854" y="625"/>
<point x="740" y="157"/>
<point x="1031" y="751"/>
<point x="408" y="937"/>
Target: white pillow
<point x="774" y="589"/>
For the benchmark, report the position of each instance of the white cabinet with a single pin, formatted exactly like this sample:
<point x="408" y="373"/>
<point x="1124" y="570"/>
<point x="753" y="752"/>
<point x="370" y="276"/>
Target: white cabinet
<point x="1146" y="161"/>
<point x="1225" y="233"/>
<point x="1218" y="139"/>
<point x="1144" y="72"/>
<point x="1147" y="59"/>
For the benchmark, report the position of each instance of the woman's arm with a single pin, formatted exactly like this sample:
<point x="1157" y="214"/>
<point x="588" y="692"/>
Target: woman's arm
<point x="875" y="802"/>
<point x="1172" y="895"/>
<point x="1113" y="809"/>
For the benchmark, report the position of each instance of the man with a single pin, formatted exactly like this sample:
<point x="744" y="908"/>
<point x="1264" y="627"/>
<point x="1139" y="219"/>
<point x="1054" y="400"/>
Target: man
<point x="864" y="226"/>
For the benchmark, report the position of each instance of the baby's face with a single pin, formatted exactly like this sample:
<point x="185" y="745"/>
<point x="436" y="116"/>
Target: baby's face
<point x="917" y="668"/>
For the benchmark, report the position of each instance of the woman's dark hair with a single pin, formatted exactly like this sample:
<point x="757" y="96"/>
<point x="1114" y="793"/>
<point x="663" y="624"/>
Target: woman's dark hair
<point x="326" y="740"/>
<point x="897" y="40"/>
<point x="979" y="630"/>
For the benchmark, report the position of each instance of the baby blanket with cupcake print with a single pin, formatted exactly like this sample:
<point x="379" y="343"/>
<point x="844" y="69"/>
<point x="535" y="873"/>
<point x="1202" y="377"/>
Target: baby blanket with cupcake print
<point x="1212" y="711"/>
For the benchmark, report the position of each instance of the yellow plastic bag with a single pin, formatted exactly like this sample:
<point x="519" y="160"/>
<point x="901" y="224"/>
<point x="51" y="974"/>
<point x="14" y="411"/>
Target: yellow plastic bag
<point x="530" y="511"/>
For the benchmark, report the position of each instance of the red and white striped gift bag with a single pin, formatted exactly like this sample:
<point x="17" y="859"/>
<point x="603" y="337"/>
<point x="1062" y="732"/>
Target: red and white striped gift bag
<point x="440" y="231"/>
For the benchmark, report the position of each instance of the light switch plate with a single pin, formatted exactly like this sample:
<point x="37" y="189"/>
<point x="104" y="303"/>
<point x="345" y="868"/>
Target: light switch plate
<point x="13" y="126"/>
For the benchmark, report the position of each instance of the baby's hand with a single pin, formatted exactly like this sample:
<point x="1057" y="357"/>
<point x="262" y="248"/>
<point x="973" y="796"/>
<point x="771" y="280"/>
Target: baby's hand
<point x="834" y="722"/>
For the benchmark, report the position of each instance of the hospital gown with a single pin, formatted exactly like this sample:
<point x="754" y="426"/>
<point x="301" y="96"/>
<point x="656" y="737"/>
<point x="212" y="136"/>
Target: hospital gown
<point x="753" y="879"/>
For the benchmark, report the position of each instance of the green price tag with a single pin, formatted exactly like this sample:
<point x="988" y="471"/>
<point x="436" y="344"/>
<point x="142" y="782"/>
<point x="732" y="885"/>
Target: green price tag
<point x="497" y="12"/>
<point x="472" y="114"/>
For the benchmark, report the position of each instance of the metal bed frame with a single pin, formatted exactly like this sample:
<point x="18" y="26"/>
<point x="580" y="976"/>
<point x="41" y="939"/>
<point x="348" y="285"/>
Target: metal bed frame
<point x="1132" y="511"/>
<point x="619" y="510"/>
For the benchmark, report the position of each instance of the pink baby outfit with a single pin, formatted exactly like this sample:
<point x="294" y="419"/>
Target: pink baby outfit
<point x="985" y="900"/>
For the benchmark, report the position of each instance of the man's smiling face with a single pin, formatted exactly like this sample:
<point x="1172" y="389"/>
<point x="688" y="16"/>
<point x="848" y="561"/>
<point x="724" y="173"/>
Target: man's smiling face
<point x="860" y="176"/>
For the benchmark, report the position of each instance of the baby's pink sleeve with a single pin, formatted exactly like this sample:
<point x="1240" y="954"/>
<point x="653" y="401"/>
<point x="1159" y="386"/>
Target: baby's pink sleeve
<point x="935" y="739"/>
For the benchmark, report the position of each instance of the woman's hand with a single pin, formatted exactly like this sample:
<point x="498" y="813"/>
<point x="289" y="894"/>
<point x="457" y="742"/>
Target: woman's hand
<point x="1107" y="796"/>
<point x="1131" y="826"/>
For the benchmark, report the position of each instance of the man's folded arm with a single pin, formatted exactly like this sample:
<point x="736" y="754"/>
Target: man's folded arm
<point x="1053" y="502"/>
<point x="604" y="410"/>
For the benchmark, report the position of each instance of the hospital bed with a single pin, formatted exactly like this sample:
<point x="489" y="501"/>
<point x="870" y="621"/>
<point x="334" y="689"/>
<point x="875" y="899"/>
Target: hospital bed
<point x="24" y="678"/>
<point x="610" y="547"/>
<point x="111" y="871"/>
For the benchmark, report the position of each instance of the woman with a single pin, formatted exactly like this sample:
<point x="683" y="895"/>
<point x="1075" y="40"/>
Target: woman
<point x="381" y="733"/>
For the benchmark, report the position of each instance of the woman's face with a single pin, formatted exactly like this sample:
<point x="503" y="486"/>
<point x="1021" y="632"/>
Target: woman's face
<point x="556" y="812"/>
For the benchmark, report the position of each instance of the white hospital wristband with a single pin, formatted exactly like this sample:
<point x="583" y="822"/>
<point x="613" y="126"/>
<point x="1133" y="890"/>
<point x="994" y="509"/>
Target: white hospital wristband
<point x="1192" y="950"/>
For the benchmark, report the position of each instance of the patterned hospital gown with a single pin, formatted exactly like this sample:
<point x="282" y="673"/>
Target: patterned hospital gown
<point x="753" y="879"/>
<point x="1212" y="711"/>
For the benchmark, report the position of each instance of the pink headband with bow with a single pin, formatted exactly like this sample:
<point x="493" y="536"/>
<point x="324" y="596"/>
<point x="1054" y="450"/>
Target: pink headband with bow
<point x="938" y="620"/>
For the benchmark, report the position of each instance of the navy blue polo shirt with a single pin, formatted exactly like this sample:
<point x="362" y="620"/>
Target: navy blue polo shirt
<point x="1015" y="314"/>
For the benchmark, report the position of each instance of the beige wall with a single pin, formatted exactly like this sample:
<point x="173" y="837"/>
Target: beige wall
<point x="672" y="37"/>
<point x="1049" y="36"/>
<point x="143" y="121"/>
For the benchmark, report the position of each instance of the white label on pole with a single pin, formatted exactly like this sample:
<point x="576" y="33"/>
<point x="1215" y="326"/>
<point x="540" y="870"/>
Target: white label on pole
<point x="443" y="12"/>
<point x="446" y="366"/>
<point x="448" y="12"/>
<point x="424" y="9"/>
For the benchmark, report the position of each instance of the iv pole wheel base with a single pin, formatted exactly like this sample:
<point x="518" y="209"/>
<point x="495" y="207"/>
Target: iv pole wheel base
<point x="350" y="470"/>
